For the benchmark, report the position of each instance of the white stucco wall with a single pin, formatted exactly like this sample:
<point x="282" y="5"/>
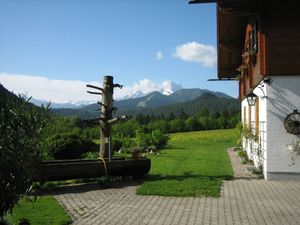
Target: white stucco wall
<point x="283" y="96"/>
<point x="251" y="147"/>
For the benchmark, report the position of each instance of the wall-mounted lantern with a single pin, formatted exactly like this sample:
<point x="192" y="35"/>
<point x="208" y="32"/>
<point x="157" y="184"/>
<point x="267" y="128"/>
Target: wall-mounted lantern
<point x="251" y="99"/>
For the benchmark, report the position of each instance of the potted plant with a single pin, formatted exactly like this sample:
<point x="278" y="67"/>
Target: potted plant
<point x="135" y="153"/>
<point x="294" y="148"/>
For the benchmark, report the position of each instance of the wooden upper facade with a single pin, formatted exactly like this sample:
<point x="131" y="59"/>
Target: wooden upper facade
<point x="257" y="38"/>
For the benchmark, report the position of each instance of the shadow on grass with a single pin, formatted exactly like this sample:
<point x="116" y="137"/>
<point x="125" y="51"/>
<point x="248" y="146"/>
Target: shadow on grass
<point x="173" y="147"/>
<point x="186" y="175"/>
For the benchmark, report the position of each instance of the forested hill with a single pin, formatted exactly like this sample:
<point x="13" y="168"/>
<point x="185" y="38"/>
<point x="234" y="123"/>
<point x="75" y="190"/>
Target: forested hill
<point x="157" y="99"/>
<point x="209" y="101"/>
<point x="4" y="91"/>
<point x="206" y="101"/>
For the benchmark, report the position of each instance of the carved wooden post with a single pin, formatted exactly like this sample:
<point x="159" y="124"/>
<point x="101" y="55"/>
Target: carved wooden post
<point x="106" y="119"/>
<point x="106" y="114"/>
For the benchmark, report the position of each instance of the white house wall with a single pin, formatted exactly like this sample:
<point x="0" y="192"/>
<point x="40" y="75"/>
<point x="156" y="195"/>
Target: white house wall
<point x="283" y="96"/>
<point x="251" y="146"/>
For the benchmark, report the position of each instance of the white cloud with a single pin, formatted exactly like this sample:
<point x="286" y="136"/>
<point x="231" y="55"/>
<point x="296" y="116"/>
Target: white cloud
<point x="159" y="55"/>
<point x="63" y="91"/>
<point x="147" y="86"/>
<point x="196" y="52"/>
<point x="43" y="88"/>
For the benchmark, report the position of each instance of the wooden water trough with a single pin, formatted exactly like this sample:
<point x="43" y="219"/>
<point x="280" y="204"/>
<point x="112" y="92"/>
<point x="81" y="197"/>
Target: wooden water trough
<point x="81" y="168"/>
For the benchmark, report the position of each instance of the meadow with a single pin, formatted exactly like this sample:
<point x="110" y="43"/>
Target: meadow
<point x="193" y="164"/>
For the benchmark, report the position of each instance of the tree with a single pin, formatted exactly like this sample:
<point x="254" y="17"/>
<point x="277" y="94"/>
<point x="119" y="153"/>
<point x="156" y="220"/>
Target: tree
<point x="182" y="114"/>
<point x="177" y="125"/>
<point x="192" y="123"/>
<point x="21" y="126"/>
<point x="171" y="116"/>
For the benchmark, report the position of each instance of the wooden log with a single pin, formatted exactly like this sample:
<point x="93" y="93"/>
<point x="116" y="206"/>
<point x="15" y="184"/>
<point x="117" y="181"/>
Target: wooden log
<point x="106" y="114"/>
<point x="76" y="169"/>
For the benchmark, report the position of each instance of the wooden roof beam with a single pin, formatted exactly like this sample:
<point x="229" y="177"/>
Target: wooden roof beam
<point x="230" y="46"/>
<point x="238" y="8"/>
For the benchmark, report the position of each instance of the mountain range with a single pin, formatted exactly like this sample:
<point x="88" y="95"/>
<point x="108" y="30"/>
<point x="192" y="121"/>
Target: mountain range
<point x="190" y="100"/>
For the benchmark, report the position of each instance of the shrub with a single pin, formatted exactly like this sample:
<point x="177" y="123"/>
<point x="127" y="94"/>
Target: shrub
<point x="91" y="155"/>
<point x="142" y="139"/>
<point x="156" y="138"/>
<point x="69" y="146"/>
<point x="127" y="142"/>
<point x="116" y="144"/>
<point x="159" y="139"/>
<point x="21" y="126"/>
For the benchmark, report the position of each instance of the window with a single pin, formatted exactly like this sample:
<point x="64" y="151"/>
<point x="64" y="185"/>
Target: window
<point x="253" y="43"/>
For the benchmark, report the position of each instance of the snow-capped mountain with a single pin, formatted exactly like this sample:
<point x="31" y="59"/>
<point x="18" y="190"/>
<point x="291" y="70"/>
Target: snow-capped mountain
<point x="146" y="87"/>
<point x="137" y="91"/>
<point x="56" y="105"/>
<point x="169" y="87"/>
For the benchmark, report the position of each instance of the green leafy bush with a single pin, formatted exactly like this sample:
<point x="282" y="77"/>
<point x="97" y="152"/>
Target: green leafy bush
<point x="91" y="155"/>
<point x="21" y="126"/>
<point x="155" y="138"/>
<point x="142" y="139"/>
<point x="159" y="139"/>
<point x="68" y="146"/>
<point x="117" y="144"/>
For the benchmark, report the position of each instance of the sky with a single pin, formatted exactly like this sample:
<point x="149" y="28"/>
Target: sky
<point x="50" y="49"/>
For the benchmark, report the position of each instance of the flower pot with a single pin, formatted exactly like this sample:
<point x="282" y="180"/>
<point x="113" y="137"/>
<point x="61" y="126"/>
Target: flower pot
<point x="294" y="148"/>
<point x="135" y="155"/>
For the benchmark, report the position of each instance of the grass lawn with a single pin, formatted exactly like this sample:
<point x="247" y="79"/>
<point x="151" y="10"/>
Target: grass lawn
<point x="44" y="211"/>
<point x="194" y="164"/>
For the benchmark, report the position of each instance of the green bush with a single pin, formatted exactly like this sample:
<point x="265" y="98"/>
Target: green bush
<point x="69" y="146"/>
<point x="21" y="126"/>
<point x="127" y="142"/>
<point x="91" y="155"/>
<point x="159" y="139"/>
<point x="117" y="144"/>
<point x="142" y="139"/>
<point x="243" y="154"/>
<point x="156" y="138"/>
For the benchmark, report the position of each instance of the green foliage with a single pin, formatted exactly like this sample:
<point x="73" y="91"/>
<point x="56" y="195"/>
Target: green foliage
<point x="117" y="144"/>
<point x="194" y="164"/>
<point x="242" y="153"/>
<point x="44" y="211"/>
<point x="68" y="146"/>
<point x="126" y="129"/>
<point x="159" y="139"/>
<point x="154" y="138"/>
<point x="162" y="125"/>
<point x="21" y="127"/>
<point x="238" y="132"/>
<point x="192" y="123"/>
<point x="60" y="124"/>
<point x="177" y="125"/>
<point x="142" y="139"/>
<point x="91" y="155"/>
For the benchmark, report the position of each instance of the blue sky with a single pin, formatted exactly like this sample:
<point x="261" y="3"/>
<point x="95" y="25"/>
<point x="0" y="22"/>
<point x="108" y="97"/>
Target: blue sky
<point x="133" y="40"/>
